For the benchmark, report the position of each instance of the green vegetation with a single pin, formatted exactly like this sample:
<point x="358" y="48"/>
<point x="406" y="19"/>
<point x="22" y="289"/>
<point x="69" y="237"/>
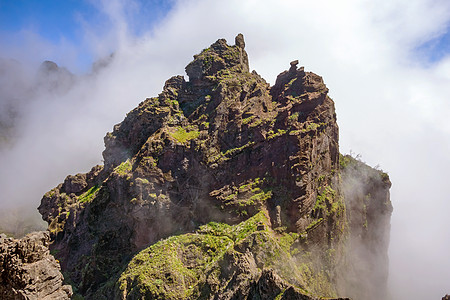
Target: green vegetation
<point x="124" y="168"/>
<point x="236" y="232"/>
<point x="261" y="196"/>
<point x="160" y="270"/>
<point x="89" y="195"/>
<point x="314" y="126"/>
<point x="294" y="117"/>
<point x="286" y="241"/>
<point x="327" y="196"/>
<point x="250" y="195"/>
<point x="272" y="134"/>
<point x="384" y="176"/>
<point x="205" y="125"/>
<point x="182" y="136"/>
<point x="231" y="152"/>
<point x="247" y="120"/>
<point x="344" y="160"/>
<point x="142" y="180"/>
<point x="255" y="123"/>
<point x="314" y="224"/>
<point x="317" y="280"/>
<point x="177" y="267"/>
<point x="327" y="202"/>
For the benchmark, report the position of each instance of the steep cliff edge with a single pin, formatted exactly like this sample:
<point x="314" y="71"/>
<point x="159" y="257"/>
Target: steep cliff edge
<point x="369" y="209"/>
<point x="214" y="187"/>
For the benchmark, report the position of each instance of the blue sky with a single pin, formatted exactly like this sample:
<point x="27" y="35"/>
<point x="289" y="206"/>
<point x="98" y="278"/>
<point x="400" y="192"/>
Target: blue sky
<point x="56" y="21"/>
<point x="65" y="20"/>
<point x="435" y="48"/>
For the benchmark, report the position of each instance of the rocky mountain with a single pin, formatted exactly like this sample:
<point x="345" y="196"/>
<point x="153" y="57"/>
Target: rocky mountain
<point x="224" y="187"/>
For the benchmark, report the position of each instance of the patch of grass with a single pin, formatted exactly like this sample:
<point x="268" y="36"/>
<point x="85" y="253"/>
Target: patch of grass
<point x="124" y="168"/>
<point x="260" y="197"/>
<point x="182" y="136"/>
<point x="236" y="232"/>
<point x="175" y="268"/>
<point x="89" y="195"/>
<point x="286" y="241"/>
<point x="172" y="268"/>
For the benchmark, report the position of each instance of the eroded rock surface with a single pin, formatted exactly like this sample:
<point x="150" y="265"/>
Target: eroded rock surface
<point x="222" y="147"/>
<point x="28" y="271"/>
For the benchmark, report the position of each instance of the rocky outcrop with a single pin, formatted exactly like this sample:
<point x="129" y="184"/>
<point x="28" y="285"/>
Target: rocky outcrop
<point x="223" y="147"/>
<point x="28" y="271"/>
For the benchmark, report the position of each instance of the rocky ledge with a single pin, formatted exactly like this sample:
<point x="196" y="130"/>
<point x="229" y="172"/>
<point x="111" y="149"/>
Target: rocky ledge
<point x="29" y="271"/>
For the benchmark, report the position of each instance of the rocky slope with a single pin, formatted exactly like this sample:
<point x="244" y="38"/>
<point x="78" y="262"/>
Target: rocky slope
<point x="28" y="271"/>
<point x="221" y="187"/>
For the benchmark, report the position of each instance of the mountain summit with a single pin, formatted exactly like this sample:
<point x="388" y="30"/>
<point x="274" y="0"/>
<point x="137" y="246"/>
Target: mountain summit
<point x="224" y="187"/>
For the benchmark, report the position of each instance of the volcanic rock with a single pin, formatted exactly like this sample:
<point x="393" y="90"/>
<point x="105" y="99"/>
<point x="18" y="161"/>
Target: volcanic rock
<point x="28" y="271"/>
<point x="212" y="183"/>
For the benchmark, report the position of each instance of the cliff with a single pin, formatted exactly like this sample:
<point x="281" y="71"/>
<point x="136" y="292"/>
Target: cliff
<point x="221" y="187"/>
<point x="28" y="271"/>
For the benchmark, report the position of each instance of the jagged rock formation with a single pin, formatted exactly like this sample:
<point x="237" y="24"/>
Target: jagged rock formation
<point x="28" y="271"/>
<point x="261" y="163"/>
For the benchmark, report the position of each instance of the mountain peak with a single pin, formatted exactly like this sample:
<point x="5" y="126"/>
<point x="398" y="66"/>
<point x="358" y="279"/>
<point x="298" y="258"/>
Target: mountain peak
<point x="219" y="56"/>
<point x="214" y="181"/>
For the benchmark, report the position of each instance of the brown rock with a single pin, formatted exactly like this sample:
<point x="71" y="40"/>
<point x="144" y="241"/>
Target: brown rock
<point x="293" y="67"/>
<point x="220" y="147"/>
<point x="28" y="271"/>
<point x="239" y="41"/>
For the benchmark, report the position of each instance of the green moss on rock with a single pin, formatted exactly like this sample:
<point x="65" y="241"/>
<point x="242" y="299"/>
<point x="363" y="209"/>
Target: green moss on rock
<point x="124" y="168"/>
<point x="177" y="267"/>
<point x="89" y="195"/>
<point x="182" y="136"/>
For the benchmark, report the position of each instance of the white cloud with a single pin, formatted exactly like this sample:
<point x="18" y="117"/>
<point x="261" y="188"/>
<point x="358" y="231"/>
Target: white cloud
<point x="392" y="108"/>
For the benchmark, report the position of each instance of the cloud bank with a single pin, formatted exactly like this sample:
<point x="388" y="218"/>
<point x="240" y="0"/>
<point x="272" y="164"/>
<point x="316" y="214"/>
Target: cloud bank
<point x="391" y="100"/>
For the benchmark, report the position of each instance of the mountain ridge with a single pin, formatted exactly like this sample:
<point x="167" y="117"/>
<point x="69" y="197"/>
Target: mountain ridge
<point x="223" y="147"/>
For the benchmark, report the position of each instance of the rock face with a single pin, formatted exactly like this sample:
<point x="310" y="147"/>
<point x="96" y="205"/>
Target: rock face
<point x="261" y="163"/>
<point x="369" y="209"/>
<point x="28" y="271"/>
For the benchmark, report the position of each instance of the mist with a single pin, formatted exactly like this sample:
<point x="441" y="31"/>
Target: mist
<point x="378" y="61"/>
